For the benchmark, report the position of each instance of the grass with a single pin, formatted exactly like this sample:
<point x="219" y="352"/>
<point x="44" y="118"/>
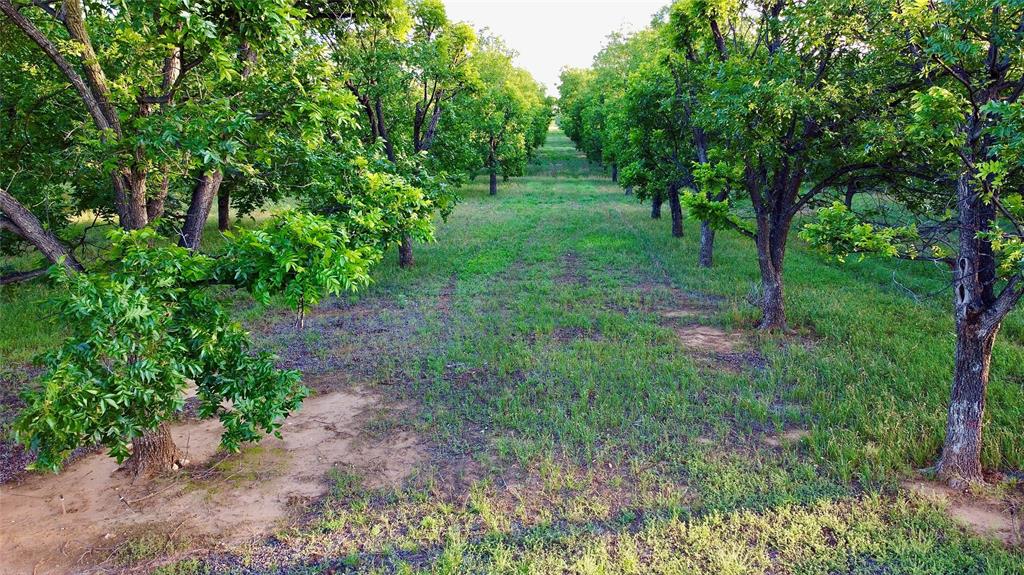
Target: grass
<point x="573" y="433"/>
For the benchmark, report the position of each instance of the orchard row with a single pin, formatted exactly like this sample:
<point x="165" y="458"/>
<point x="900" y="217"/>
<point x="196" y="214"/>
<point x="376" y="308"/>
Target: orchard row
<point x="871" y="126"/>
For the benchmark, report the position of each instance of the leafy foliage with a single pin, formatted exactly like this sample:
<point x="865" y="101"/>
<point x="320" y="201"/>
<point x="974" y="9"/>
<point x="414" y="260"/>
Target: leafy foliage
<point x="302" y="256"/>
<point x="138" y="336"/>
<point x="839" y="233"/>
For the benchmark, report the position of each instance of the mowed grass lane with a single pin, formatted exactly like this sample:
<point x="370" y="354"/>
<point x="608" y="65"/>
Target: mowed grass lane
<point x="546" y="345"/>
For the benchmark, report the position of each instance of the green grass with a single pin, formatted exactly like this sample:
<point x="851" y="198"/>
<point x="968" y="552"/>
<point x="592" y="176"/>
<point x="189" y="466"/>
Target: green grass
<point x="573" y="433"/>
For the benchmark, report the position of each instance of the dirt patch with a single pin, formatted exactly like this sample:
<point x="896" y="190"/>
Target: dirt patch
<point x="572" y="271"/>
<point x="671" y="302"/>
<point x="707" y="339"/>
<point x="347" y="344"/>
<point x="741" y="361"/>
<point x="989" y="517"/>
<point x="684" y="313"/>
<point x="788" y="437"/>
<point x="51" y="523"/>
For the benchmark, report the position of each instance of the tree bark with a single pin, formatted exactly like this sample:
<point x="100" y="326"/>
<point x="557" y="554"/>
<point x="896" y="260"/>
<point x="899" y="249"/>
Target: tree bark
<point x="494" y="181"/>
<point x="23" y="223"/>
<point x="960" y="463"/>
<point x="615" y="172"/>
<point x="130" y="199"/>
<point x="707" y="245"/>
<point x="203" y="192"/>
<point x="223" y="209"/>
<point x="773" y="308"/>
<point x="978" y="317"/>
<point x="771" y="236"/>
<point x="405" y="257"/>
<point x="676" y="209"/>
<point x="154" y="452"/>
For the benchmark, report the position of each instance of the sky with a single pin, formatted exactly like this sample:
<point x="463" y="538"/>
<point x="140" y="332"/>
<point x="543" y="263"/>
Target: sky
<point x="551" y="34"/>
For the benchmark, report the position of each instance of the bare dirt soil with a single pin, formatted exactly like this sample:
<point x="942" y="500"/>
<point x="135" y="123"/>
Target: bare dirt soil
<point x="985" y="515"/>
<point x="63" y="523"/>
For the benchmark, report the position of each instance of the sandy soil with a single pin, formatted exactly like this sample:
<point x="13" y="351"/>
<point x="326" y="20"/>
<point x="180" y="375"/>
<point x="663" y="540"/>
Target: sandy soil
<point x="64" y="523"/>
<point x="982" y="515"/>
<point x="708" y="339"/>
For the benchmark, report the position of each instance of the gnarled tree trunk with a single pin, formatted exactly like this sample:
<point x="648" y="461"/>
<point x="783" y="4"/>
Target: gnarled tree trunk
<point x="154" y="452"/>
<point x="773" y="307"/>
<point x="130" y="199"/>
<point x="707" y="245"/>
<point x="771" y="236"/>
<point x="979" y="314"/>
<point x="676" y="209"/>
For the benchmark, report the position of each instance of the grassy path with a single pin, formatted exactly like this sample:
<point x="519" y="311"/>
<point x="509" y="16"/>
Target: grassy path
<point x="595" y="403"/>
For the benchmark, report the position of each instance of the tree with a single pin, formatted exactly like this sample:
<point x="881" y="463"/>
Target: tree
<point x="654" y="151"/>
<point x="157" y="90"/>
<point x="141" y="332"/>
<point x="507" y="113"/>
<point x="968" y="126"/>
<point x="405" y="66"/>
<point x="799" y="107"/>
<point x="187" y="99"/>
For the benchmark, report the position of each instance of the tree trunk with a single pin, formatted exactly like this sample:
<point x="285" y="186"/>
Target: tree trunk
<point x="978" y="317"/>
<point x="629" y="190"/>
<point x="155" y="203"/>
<point x="707" y="245"/>
<point x="615" y="172"/>
<point x="154" y="452"/>
<point x="23" y="223"/>
<point x="851" y="191"/>
<point x="773" y="308"/>
<point x="130" y="199"/>
<point x="494" y="181"/>
<point x="223" y="209"/>
<point x="203" y="192"/>
<point x="676" y="209"/>
<point x="960" y="463"/>
<point x="772" y="232"/>
<point x="405" y="258"/>
<point x="656" y="201"/>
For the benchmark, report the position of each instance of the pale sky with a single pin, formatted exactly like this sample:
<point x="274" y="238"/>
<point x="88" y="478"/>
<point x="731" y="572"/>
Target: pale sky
<point x="550" y="34"/>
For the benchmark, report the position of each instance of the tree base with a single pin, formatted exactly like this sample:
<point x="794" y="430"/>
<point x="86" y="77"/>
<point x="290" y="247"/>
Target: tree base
<point x="154" y="452"/>
<point x="958" y="476"/>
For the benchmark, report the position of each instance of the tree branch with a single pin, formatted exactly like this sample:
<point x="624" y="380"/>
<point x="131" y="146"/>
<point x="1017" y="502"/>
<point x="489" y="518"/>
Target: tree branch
<point x="33" y="33"/>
